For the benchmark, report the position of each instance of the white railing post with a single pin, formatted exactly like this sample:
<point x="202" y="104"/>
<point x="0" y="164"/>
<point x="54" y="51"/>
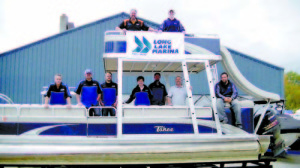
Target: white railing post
<point x="190" y="97"/>
<point x="213" y="96"/>
<point x="120" y="103"/>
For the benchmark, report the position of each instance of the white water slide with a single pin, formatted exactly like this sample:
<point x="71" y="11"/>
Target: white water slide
<point x="241" y="82"/>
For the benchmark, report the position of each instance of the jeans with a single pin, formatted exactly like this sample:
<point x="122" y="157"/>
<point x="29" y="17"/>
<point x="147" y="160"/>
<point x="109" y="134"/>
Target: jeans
<point x="111" y="111"/>
<point x="94" y="111"/>
<point x="234" y="106"/>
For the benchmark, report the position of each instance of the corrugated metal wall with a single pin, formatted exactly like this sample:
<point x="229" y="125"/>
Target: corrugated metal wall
<point x="23" y="72"/>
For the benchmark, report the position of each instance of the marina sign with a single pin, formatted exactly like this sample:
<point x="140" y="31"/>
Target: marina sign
<point x="150" y="44"/>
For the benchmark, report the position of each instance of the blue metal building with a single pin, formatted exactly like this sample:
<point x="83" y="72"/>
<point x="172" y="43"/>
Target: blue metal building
<point x="25" y="70"/>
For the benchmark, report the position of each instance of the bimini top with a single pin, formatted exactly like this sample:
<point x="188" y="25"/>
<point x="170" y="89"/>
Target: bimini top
<point x="159" y="52"/>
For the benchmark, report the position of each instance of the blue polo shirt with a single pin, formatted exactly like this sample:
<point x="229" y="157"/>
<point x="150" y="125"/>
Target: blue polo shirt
<point x="171" y="26"/>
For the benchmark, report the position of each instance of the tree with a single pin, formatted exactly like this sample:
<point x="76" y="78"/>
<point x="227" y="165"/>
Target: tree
<point x="292" y="90"/>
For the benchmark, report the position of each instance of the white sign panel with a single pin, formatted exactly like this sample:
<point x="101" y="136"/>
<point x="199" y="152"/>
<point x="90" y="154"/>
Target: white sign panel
<point x="155" y="45"/>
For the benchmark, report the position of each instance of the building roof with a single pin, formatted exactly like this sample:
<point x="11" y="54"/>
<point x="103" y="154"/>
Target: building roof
<point x="76" y="29"/>
<point x="122" y="14"/>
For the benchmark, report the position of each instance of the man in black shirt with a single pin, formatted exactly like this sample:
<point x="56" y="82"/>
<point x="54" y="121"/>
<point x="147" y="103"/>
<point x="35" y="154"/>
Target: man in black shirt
<point x="139" y="88"/>
<point x="88" y="91"/>
<point x="159" y="91"/>
<point x="107" y="99"/>
<point x="133" y="24"/>
<point x="58" y="87"/>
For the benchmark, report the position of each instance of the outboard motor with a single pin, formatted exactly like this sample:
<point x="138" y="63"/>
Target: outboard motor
<point x="270" y="126"/>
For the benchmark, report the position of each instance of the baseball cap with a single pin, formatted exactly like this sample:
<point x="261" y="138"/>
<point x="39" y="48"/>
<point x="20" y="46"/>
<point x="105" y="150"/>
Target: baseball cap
<point x="88" y="71"/>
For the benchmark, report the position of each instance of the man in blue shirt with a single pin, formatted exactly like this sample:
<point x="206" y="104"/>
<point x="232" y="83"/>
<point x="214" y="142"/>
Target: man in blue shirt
<point x="172" y="24"/>
<point x="226" y="92"/>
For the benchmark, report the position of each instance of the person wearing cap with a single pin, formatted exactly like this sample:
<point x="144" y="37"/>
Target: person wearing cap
<point x="109" y="87"/>
<point x="141" y="87"/>
<point x="171" y="24"/>
<point x="133" y="24"/>
<point x="91" y="87"/>
<point x="158" y="90"/>
<point x="58" y="87"/>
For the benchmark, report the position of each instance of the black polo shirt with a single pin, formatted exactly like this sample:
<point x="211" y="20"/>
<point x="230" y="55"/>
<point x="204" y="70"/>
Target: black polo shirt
<point x="138" y="89"/>
<point x="138" y="25"/>
<point x="159" y="92"/>
<point x="88" y="83"/>
<point x="110" y="85"/>
<point x="62" y="88"/>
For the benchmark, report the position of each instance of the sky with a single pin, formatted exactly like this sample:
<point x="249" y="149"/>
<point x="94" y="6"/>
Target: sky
<point x="265" y="29"/>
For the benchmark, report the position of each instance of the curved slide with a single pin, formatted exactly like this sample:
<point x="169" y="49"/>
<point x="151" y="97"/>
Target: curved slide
<point x="241" y="82"/>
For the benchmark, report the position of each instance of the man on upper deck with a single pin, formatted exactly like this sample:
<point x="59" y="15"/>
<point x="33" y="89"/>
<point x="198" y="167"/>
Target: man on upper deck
<point x="133" y="24"/>
<point x="158" y="90"/>
<point x="226" y="92"/>
<point x="172" y="24"/>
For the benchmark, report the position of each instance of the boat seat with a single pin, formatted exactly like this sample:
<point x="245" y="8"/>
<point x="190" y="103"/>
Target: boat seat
<point x="109" y="96"/>
<point x="142" y="99"/>
<point x="57" y="98"/>
<point x="89" y="96"/>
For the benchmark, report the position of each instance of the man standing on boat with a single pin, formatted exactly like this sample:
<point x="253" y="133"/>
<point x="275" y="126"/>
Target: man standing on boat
<point x="141" y="93"/>
<point x="58" y="93"/>
<point x="88" y="92"/>
<point x="226" y="92"/>
<point x="177" y="94"/>
<point x="172" y="24"/>
<point x="109" y="95"/>
<point x="159" y="91"/>
<point x="133" y="24"/>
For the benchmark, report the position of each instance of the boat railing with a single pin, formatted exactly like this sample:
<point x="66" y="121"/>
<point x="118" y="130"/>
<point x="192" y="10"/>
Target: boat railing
<point x="52" y="111"/>
<point x="100" y="108"/>
<point x="195" y="35"/>
<point x="164" y="112"/>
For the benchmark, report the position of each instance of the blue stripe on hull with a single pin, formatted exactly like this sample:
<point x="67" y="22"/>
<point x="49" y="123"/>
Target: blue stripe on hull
<point x="82" y="129"/>
<point x="158" y="128"/>
<point x="67" y="130"/>
<point x="102" y="129"/>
